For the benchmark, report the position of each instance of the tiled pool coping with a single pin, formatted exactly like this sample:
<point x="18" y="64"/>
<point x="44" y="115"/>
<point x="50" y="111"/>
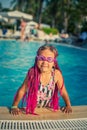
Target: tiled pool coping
<point x="45" y="114"/>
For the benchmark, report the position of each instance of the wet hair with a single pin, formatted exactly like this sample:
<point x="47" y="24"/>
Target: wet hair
<point x="52" y="49"/>
<point x="49" y="47"/>
<point x="33" y="83"/>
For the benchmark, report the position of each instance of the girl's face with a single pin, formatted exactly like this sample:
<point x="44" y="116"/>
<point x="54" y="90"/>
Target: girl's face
<point x="45" y="60"/>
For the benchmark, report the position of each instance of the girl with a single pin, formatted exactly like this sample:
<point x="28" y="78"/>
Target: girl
<point x="43" y="82"/>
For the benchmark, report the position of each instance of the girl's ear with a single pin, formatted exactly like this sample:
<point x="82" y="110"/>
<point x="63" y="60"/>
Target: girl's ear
<point x="53" y="66"/>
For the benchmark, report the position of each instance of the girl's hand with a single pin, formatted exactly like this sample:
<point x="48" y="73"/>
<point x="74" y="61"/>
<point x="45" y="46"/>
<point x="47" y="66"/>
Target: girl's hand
<point x="15" y="111"/>
<point x="66" y="109"/>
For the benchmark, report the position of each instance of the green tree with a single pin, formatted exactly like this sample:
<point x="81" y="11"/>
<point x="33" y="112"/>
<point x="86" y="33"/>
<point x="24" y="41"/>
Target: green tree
<point x="1" y="7"/>
<point x="62" y="14"/>
<point x="59" y="12"/>
<point x="33" y="7"/>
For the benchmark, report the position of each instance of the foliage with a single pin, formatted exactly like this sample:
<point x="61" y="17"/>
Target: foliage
<point x="61" y="14"/>
<point x="0" y="6"/>
<point x="50" y="30"/>
<point x="8" y="26"/>
<point x="33" y="7"/>
<point x="84" y="26"/>
<point x="5" y="10"/>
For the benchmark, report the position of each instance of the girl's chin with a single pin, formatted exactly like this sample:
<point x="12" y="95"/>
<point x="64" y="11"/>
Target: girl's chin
<point x="44" y="70"/>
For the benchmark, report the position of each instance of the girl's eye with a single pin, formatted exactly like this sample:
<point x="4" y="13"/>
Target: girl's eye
<point x="50" y="59"/>
<point x="41" y="58"/>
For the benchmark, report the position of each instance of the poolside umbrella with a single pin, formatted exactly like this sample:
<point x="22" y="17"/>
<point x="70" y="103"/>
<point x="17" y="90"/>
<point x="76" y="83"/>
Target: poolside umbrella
<point x="3" y="19"/>
<point x="32" y="24"/>
<point x="17" y="15"/>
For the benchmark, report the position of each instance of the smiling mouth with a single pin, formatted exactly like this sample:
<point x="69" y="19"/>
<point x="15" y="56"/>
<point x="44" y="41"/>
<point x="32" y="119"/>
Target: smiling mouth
<point x="44" y="66"/>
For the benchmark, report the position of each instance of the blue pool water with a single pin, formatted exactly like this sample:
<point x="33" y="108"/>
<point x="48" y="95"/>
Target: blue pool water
<point x="17" y="57"/>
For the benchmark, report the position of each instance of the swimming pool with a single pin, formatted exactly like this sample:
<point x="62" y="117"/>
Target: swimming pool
<point x="17" y="57"/>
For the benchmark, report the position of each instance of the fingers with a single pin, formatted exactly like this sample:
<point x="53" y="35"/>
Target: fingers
<point x="66" y="109"/>
<point x="62" y="109"/>
<point x="15" y="111"/>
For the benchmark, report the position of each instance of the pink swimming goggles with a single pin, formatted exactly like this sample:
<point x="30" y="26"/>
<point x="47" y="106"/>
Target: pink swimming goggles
<point x="48" y="59"/>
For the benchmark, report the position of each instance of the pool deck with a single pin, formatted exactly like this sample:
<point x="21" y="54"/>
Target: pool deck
<point x="79" y="112"/>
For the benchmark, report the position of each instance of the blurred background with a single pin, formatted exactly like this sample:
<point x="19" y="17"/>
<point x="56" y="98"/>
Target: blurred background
<point x="52" y="16"/>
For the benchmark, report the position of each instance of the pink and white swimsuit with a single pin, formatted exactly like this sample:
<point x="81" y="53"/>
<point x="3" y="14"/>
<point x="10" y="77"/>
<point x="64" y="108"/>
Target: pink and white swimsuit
<point x="45" y="92"/>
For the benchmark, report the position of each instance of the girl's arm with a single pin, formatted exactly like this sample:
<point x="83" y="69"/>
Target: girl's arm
<point x="20" y="93"/>
<point x="63" y="91"/>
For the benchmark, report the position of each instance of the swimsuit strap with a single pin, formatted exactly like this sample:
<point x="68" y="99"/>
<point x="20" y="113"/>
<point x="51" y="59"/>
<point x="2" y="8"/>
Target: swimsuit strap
<point x="52" y="81"/>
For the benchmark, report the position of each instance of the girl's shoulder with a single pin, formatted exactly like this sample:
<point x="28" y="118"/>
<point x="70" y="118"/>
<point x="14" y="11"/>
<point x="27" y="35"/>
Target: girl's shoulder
<point x="58" y="75"/>
<point x="57" y="72"/>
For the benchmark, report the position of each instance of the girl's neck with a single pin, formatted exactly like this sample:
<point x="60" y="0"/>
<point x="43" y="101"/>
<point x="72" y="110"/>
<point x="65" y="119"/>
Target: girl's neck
<point x="45" y="78"/>
<point x="45" y="73"/>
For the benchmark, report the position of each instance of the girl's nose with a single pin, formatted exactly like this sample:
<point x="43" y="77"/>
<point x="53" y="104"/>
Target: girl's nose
<point x="45" y="62"/>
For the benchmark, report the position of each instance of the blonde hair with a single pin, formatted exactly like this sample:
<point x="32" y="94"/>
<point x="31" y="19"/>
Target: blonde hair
<point x="49" y="47"/>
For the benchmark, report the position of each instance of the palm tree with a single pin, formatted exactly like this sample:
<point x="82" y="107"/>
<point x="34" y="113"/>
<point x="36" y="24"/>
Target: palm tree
<point x="40" y="2"/>
<point x="17" y="4"/>
<point x="59" y="12"/>
<point x="33" y="7"/>
<point x="0" y="7"/>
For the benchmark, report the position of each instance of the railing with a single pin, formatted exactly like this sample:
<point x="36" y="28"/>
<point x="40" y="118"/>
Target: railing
<point x="69" y="124"/>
